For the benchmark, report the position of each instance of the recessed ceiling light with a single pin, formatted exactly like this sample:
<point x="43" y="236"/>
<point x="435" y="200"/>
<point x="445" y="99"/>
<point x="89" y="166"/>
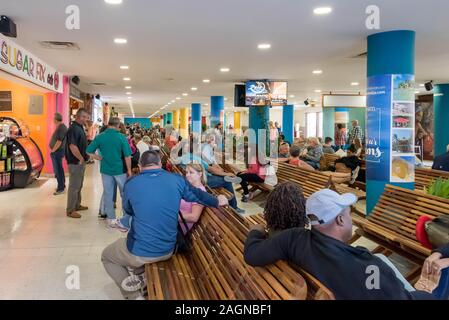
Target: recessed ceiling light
<point x="120" y="41"/>
<point x="292" y="96"/>
<point x="206" y="80"/>
<point x="264" y="46"/>
<point x="206" y="104"/>
<point x="173" y="101"/>
<point x="354" y="84"/>
<point x="124" y="67"/>
<point x="318" y="91"/>
<point x="128" y="93"/>
<point x="185" y="94"/>
<point x="322" y="10"/>
<point x="169" y="103"/>
<point x="128" y="87"/>
<point x="113" y="1"/>
<point x="317" y="71"/>
<point x="226" y="99"/>
<point x="178" y="98"/>
<point x="126" y="79"/>
<point x="194" y="89"/>
<point x="225" y="69"/>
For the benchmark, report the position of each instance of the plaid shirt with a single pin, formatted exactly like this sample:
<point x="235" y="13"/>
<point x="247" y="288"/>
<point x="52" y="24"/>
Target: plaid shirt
<point x="355" y="133"/>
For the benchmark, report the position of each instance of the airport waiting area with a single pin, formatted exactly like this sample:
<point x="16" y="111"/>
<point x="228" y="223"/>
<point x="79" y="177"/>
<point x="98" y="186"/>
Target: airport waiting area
<point x="163" y="152"/>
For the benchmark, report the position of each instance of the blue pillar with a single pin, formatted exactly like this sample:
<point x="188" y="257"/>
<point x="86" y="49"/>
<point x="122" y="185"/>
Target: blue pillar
<point x="288" y="123"/>
<point x="259" y="118"/>
<point x="391" y="69"/>
<point x="441" y="114"/>
<point x="196" y="118"/>
<point x="216" y="107"/>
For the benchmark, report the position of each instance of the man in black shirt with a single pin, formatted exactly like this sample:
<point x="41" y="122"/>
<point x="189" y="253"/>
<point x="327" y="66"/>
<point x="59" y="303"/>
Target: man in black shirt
<point x="349" y="272"/>
<point x="57" y="148"/>
<point x="76" y="158"/>
<point x="442" y="161"/>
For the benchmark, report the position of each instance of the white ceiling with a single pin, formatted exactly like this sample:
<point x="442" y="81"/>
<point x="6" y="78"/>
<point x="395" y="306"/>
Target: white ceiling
<point x="190" y="40"/>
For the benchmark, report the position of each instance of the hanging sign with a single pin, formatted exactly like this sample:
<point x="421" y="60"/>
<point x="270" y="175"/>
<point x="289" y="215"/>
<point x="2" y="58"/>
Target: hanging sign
<point x="23" y="64"/>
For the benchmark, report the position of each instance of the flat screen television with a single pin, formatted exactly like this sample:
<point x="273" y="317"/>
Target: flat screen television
<point x="239" y="95"/>
<point x="266" y="93"/>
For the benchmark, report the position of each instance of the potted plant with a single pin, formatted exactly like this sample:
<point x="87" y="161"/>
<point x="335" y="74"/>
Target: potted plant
<point x="439" y="188"/>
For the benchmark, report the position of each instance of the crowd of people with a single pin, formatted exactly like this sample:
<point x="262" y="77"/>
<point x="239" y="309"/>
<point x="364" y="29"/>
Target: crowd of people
<point x="158" y="207"/>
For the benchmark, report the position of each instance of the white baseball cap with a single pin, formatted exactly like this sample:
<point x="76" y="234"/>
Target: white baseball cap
<point x="326" y="205"/>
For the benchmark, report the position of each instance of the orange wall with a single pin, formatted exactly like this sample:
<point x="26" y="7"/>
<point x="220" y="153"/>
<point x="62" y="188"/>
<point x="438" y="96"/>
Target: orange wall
<point x="38" y="124"/>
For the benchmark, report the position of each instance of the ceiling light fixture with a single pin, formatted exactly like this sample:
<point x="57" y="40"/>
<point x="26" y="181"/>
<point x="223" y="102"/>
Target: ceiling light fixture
<point x="354" y="84"/>
<point x="194" y="89"/>
<point x="129" y="93"/>
<point x="128" y="87"/>
<point x="317" y="71"/>
<point x="225" y="69"/>
<point x="322" y="10"/>
<point x="124" y="67"/>
<point x="264" y="46"/>
<point x="113" y="1"/>
<point x="178" y="98"/>
<point x="173" y="101"/>
<point x="292" y="96"/>
<point x="318" y="91"/>
<point x="120" y="41"/>
<point x="206" y="80"/>
<point x="185" y="94"/>
<point x="126" y="79"/>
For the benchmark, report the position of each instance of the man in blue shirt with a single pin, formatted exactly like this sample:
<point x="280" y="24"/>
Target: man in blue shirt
<point x="152" y="199"/>
<point x="442" y="161"/>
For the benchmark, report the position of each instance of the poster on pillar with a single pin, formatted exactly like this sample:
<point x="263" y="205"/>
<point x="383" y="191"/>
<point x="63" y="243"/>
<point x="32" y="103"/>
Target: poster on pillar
<point x="390" y="126"/>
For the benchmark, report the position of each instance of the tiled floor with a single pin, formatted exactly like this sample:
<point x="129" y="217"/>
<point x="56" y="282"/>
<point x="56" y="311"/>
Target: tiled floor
<point x="38" y="243"/>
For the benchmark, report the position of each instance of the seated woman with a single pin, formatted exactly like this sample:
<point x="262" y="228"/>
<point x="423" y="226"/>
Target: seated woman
<point x="345" y="166"/>
<point x="285" y="208"/>
<point x="295" y="160"/>
<point x="191" y="211"/>
<point x="358" y="147"/>
<point x="255" y="173"/>
<point x="313" y="153"/>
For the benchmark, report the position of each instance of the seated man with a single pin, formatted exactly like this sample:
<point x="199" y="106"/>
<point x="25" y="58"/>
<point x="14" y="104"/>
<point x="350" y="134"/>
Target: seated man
<point x="344" y="166"/>
<point x="153" y="200"/>
<point x="313" y="153"/>
<point x="327" y="147"/>
<point x="349" y="272"/>
<point x="442" y="161"/>
<point x="216" y="177"/>
<point x="284" y="150"/>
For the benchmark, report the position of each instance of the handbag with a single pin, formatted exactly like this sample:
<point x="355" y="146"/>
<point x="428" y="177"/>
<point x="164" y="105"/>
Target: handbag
<point x="271" y="178"/>
<point x="438" y="231"/>
<point x="183" y="240"/>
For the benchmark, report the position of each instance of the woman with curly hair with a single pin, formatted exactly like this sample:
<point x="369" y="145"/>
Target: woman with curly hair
<point x="285" y="208"/>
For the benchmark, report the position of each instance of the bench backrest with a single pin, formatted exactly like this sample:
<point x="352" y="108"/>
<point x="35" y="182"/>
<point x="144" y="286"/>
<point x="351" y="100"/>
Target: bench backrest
<point x="399" y="209"/>
<point x="328" y="160"/>
<point x="424" y="177"/>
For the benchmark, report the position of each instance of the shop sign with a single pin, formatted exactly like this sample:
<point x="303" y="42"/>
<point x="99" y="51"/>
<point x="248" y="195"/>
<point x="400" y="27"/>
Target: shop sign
<point x="23" y="64"/>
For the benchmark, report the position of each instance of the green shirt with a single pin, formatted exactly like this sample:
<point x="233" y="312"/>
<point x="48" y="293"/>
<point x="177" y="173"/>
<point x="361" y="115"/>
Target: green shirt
<point x="113" y="147"/>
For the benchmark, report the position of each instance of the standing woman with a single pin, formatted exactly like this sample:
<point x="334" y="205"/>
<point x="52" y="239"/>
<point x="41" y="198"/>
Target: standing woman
<point x="340" y="137"/>
<point x="274" y="134"/>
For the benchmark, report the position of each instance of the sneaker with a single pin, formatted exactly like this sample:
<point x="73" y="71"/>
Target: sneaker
<point x="57" y="193"/>
<point x="245" y="198"/>
<point x="121" y="227"/>
<point x="102" y="216"/>
<point x="115" y="224"/>
<point x="240" y="211"/>
<point x="74" y="215"/>
<point x="134" y="283"/>
<point x="82" y="208"/>
<point x="233" y="179"/>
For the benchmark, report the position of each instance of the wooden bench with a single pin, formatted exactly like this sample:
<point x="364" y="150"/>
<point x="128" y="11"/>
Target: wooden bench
<point x="424" y="177"/>
<point x="328" y="160"/>
<point x="215" y="268"/>
<point x="392" y="223"/>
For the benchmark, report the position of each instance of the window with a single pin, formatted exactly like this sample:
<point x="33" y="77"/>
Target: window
<point x="314" y="124"/>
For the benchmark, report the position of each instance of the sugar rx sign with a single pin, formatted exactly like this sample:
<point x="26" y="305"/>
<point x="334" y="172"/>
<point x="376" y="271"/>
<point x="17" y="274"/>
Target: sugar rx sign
<point x="23" y="64"/>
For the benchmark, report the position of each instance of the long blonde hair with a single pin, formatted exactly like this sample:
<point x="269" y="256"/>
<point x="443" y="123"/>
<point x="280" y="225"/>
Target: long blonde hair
<point x="198" y="168"/>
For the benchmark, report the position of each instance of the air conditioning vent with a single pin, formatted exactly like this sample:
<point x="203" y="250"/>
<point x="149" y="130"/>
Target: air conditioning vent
<point x="97" y="84"/>
<point x="59" y="45"/>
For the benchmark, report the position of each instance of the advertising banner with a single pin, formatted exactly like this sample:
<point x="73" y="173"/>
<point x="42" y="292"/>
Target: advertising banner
<point x="23" y="64"/>
<point x="390" y="155"/>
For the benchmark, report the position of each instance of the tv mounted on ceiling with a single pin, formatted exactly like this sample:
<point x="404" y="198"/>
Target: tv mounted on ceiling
<point x="266" y="93"/>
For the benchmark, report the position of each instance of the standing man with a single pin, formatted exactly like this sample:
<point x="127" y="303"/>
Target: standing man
<point x="356" y="132"/>
<point x="57" y="147"/>
<point x="113" y="148"/>
<point x="76" y="158"/>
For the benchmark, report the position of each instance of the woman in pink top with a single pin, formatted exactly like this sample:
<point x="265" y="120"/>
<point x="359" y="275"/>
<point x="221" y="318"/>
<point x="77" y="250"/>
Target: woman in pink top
<point x="191" y="211"/>
<point x="255" y="173"/>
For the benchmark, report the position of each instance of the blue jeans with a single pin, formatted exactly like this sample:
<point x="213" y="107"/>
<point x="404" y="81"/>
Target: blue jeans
<point x="110" y="183"/>
<point x="58" y="169"/>
<point x="442" y="291"/>
<point x="102" y="207"/>
<point x="218" y="182"/>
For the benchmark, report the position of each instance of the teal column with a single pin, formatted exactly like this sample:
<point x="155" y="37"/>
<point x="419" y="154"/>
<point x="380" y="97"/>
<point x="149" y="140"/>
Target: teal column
<point x="216" y="107"/>
<point x="259" y="118"/>
<point x="288" y="123"/>
<point x="391" y="68"/>
<point x="169" y="118"/>
<point x="441" y="114"/>
<point x="164" y="122"/>
<point x="196" y="118"/>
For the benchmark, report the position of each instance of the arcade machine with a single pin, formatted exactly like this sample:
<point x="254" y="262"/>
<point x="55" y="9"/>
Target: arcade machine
<point x="27" y="161"/>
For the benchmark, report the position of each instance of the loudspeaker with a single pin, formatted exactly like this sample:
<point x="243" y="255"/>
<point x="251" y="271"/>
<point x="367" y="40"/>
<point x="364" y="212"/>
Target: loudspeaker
<point x="429" y="86"/>
<point x="240" y="95"/>
<point x="306" y="102"/>
<point x="8" y="27"/>
<point x="76" y="80"/>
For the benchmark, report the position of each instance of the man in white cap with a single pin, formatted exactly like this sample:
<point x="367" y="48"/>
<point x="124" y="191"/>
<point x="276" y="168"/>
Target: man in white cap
<point x="349" y="272"/>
